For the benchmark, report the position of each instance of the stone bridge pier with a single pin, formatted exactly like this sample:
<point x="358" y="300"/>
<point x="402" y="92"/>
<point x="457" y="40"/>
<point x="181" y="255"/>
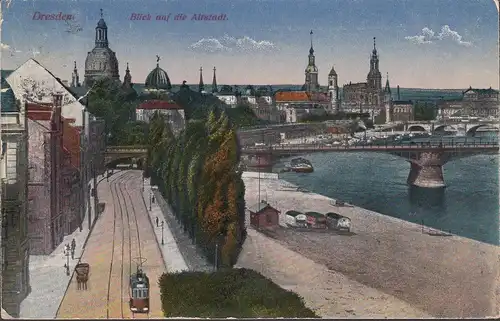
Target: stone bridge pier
<point x="426" y="169"/>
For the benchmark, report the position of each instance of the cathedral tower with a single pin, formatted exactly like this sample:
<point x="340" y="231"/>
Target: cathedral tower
<point x="333" y="90"/>
<point x="374" y="78"/>
<point x="387" y="100"/>
<point x="311" y="83"/>
<point x="75" y="79"/>
<point x="101" y="62"/>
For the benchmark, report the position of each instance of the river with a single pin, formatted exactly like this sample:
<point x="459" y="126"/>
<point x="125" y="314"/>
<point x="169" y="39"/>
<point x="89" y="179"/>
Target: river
<point x="468" y="206"/>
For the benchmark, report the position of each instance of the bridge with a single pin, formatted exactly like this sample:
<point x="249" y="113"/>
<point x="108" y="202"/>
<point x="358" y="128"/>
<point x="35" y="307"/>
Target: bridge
<point x="426" y="158"/>
<point x="119" y="154"/>
<point x="461" y="127"/>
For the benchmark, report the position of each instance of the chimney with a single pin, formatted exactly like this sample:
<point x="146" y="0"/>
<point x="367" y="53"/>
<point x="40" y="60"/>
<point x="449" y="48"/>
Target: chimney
<point x="56" y="111"/>
<point x="399" y="97"/>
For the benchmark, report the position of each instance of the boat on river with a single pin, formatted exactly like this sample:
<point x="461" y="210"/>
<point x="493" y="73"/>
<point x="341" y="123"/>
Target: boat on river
<point x="300" y="165"/>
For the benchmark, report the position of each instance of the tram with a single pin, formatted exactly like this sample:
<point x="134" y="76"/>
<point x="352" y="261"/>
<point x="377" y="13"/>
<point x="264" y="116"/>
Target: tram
<point x="139" y="292"/>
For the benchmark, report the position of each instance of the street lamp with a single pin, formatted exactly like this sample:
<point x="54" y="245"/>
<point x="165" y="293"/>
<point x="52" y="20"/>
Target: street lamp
<point x="162" y="223"/>
<point x="67" y="253"/>
<point x="216" y="255"/>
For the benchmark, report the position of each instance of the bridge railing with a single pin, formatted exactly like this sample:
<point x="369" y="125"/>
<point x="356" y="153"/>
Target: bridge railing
<point x="451" y="144"/>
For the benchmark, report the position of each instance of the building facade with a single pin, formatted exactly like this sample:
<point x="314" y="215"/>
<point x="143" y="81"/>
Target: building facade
<point x="34" y="84"/>
<point x="396" y="110"/>
<point x="359" y="97"/>
<point x="481" y="102"/>
<point x="14" y="243"/>
<point x="296" y="105"/>
<point x="475" y="102"/>
<point x="46" y="160"/>
<point x="174" y="114"/>
<point x="101" y="62"/>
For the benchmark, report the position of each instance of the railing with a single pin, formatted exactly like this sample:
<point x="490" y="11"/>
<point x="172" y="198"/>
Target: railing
<point x="379" y="147"/>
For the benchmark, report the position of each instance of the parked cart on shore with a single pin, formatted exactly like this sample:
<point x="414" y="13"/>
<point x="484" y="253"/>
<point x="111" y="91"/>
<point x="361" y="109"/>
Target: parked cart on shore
<point x="295" y="219"/>
<point x="338" y="222"/>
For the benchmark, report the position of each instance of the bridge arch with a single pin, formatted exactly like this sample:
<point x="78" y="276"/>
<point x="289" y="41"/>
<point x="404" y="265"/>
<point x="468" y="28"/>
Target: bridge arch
<point x="119" y="154"/>
<point x="132" y="160"/>
<point x="442" y="128"/>
<point x="416" y="128"/>
<point x="473" y="129"/>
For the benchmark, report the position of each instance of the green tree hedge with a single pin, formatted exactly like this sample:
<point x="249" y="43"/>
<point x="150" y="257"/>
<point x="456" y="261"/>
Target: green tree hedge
<point x="197" y="173"/>
<point x="237" y="293"/>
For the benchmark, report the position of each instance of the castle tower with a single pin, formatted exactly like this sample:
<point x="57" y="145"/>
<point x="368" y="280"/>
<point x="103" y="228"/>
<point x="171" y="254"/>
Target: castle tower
<point x="214" y="84"/>
<point x="311" y="72"/>
<point x="333" y="90"/>
<point x="201" y="86"/>
<point x="75" y="79"/>
<point x="387" y="100"/>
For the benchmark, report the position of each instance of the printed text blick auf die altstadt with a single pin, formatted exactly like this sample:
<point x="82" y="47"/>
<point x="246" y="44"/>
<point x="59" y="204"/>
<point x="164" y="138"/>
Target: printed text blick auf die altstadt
<point x="179" y="17"/>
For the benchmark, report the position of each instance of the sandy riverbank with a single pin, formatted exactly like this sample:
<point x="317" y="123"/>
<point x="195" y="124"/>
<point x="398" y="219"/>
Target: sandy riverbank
<point x="413" y="273"/>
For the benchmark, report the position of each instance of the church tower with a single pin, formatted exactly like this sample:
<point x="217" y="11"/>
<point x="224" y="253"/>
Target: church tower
<point x="101" y="62"/>
<point x="387" y="100"/>
<point x="201" y="86"/>
<point x="127" y="80"/>
<point x="333" y="90"/>
<point x="374" y="78"/>
<point x="75" y="79"/>
<point x="214" y="84"/>
<point x="311" y="71"/>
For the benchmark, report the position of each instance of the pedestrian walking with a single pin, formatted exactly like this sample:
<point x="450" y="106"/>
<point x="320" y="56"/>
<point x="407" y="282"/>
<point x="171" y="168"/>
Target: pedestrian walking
<point x="73" y="247"/>
<point x="153" y="199"/>
<point x="157" y="222"/>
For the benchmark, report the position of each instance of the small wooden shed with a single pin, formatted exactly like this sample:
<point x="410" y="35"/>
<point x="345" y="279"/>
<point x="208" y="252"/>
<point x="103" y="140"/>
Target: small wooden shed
<point x="263" y="215"/>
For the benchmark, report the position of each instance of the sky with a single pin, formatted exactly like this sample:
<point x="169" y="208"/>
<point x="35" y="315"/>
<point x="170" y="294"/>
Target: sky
<point x="422" y="44"/>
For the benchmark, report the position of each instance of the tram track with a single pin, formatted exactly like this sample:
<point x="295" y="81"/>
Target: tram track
<point x="132" y="214"/>
<point x="117" y="208"/>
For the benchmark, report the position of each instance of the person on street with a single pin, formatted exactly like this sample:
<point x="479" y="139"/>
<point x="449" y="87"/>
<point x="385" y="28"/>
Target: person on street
<point x="73" y="247"/>
<point x="157" y="224"/>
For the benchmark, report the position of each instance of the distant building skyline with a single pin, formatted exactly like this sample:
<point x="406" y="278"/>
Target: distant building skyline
<point x="442" y="44"/>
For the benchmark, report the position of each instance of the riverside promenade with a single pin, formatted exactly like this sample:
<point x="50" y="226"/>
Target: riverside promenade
<point x="386" y="268"/>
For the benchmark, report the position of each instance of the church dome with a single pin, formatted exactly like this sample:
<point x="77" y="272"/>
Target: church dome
<point x="332" y="72"/>
<point x="102" y="62"/>
<point x="102" y="24"/>
<point x="158" y="79"/>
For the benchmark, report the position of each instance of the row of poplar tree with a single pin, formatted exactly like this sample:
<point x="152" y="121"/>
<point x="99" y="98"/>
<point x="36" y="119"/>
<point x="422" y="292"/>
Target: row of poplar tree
<point x="197" y="172"/>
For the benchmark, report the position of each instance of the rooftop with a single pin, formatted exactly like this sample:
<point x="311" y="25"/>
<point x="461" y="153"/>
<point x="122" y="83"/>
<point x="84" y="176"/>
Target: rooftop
<point x="256" y="208"/>
<point x="159" y="104"/>
<point x="300" y="96"/>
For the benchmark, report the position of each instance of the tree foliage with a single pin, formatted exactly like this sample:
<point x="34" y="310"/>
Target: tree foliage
<point x="198" y="106"/>
<point x="239" y="293"/>
<point x="198" y="172"/>
<point x="117" y="105"/>
<point x="424" y="111"/>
